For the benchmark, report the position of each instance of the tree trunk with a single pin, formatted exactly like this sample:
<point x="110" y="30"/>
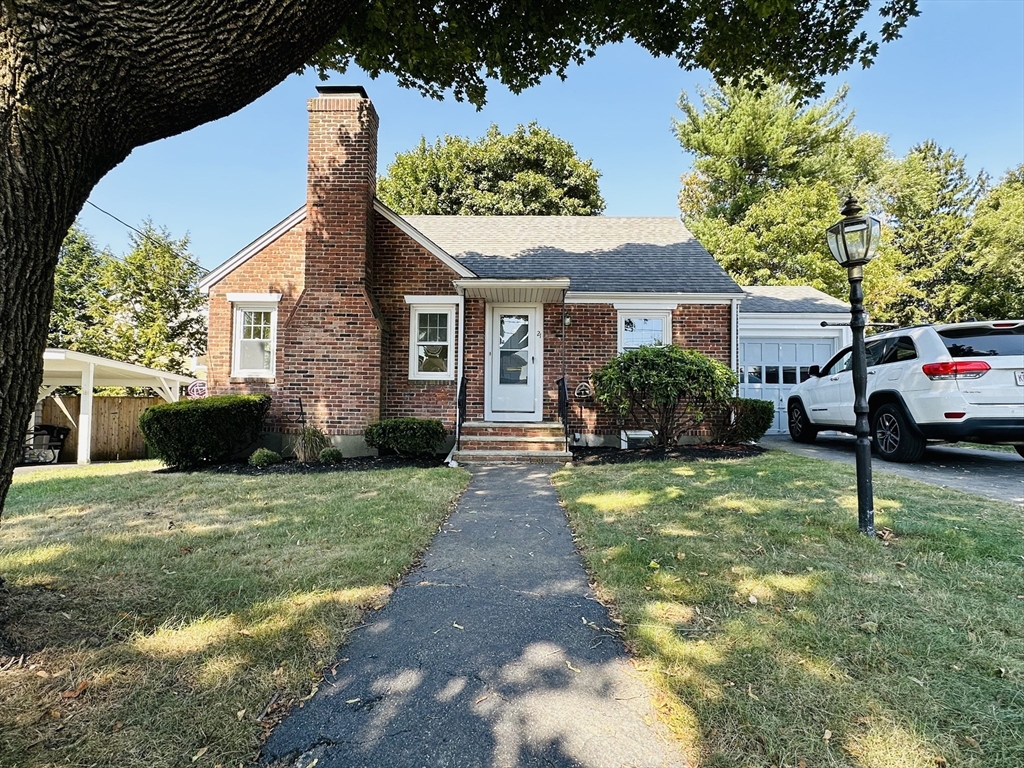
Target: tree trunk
<point x="81" y="85"/>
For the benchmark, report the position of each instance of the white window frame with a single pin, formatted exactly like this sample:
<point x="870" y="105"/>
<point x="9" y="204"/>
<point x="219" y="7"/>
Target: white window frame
<point x="431" y="305"/>
<point x="624" y="314"/>
<point x="252" y="302"/>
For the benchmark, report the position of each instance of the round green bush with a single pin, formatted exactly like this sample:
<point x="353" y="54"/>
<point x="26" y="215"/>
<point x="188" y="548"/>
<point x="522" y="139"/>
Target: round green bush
<point x="264" y="457"/>
<point x="331" y="456"/>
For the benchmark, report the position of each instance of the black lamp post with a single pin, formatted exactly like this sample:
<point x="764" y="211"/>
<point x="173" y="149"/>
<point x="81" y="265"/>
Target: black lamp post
<point x="854" y="241"/>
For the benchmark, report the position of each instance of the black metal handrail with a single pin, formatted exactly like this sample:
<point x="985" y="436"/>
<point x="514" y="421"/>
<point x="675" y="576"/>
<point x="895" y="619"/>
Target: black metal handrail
<point x="563" y="409"/>
<point x="461" y="415"/>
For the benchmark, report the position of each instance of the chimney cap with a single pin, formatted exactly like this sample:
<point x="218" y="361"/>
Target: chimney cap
<point x="341" y="90"/>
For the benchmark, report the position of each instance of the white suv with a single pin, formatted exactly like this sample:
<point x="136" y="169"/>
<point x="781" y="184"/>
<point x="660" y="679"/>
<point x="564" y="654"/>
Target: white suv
<point x="963" y="381"/>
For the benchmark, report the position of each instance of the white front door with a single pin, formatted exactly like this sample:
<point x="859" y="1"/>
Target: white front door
<point x="514" y="363"/>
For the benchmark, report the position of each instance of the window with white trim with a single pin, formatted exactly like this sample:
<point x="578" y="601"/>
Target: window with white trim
<point x="432" y="342"/>
<point x="640" y="328"/>
<point x="254" y="340"/>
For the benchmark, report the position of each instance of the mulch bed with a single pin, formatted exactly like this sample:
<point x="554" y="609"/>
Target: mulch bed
<point x="581" y="455"/>
<point x="353" y="464"/>
<point x="701" y="452"/>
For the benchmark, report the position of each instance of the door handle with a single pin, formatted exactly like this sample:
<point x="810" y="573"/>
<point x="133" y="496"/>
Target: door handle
<point x="833" y="378"/>
<point x="872" y="373"/>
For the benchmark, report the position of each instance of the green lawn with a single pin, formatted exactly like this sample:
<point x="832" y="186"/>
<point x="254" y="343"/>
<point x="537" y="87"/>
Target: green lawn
<point x="776" y="635"/>
<point x="162" y="613"/>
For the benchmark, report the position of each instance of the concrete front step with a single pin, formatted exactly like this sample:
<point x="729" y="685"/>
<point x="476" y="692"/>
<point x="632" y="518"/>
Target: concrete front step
<point x="512" y="457"/>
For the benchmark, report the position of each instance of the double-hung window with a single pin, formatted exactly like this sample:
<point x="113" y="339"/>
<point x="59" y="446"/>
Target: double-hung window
<point x="432" y="342"/>
<point x="254" y="338"/>
<point x="642" y="328"/>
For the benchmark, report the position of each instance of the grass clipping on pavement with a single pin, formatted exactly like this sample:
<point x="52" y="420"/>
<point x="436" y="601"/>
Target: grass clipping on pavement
<point x="776" y="635"/>
<point x="160" y="614"/>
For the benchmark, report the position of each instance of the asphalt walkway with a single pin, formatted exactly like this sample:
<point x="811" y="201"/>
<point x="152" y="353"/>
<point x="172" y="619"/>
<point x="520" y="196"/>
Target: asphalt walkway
<point x="493" y="653"/>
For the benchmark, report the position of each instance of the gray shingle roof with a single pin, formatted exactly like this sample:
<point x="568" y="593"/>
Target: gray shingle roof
<point x="597" y="253"/>
<point x="790" y="298"/>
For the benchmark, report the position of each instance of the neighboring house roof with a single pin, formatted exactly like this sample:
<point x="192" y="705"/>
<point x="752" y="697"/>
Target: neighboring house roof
<point x="597" y="253"/>
<point x="798" y="299"/>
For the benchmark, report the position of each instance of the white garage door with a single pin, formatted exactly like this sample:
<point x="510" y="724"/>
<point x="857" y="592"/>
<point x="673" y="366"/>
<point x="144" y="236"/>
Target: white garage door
<point x="770" y="368"/>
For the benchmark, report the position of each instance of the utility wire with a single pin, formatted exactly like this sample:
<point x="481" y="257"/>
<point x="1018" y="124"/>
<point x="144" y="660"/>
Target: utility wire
<point x="148" y="237"/>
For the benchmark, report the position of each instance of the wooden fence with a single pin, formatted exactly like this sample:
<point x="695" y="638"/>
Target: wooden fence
<point x="115" y="426"/>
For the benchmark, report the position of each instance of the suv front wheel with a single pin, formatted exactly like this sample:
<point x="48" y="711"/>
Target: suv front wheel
<point x="800" y="427"/>
<point x="895" y="439"/>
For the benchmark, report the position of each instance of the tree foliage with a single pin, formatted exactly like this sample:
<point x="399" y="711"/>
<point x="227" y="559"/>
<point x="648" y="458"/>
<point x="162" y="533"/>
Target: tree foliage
<point x="156" y="316"/>
<point x="769" y="174"/>
<point x="928" y="210"/>
<point x="79" y="295"/>
<point x="666" y="389"/>
<point x="145" y="308"/>
<point x="527" y="172"/>
<point x="995" y="270"/>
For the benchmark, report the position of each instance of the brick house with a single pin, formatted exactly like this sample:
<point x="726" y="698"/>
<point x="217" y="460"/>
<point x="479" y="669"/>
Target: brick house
<point x="365" y="314"/>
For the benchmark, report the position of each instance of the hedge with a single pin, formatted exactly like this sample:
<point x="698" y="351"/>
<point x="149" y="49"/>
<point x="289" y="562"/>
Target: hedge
<point x="406" y="436"/>
<point x="189" y="433"/>
<point x="750" y="420"/>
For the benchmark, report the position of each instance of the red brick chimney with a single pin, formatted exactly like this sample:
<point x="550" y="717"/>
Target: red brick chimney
<point x="341" y="184"/>
<point x="332" y="342"/>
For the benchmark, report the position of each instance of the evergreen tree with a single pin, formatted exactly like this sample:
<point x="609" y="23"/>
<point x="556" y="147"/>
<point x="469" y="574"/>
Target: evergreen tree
<point x="929" y="211"/>
<point x="770" y="174"/>
<point x="994" y="284"/>
<point x="155" y="313"/>
<point x="76" y="320"/>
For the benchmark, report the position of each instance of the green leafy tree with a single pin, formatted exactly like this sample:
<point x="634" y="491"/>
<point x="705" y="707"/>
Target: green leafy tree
<point x="154" y="311"/>
<point x="769" y="175"/>
<point x="84" y="88"/>
<point x="994" y="284"/>
<point x="527" y="172"/>
<point x="76" y="321"/>
<point x="928" y="209"/>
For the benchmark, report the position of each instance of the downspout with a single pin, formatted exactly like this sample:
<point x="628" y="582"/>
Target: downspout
<point x="461" y="301"/>
<point x="462" y="345"/>
<point x="564" y="291"/>
<point x="735" y="354"/>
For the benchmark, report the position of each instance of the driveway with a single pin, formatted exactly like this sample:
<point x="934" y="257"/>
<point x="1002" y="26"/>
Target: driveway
<point x="991" y="474"/>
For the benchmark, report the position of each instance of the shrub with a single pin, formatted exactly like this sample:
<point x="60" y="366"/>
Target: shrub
<point x="310" y="443"/>
<point x="331" y="456"/>
<point x="193" y="432"/>
<point x="750" y="419"/>
<point x="264" y="457"/>
<point x="406" y="436"/>
<point x="665" y="389"/>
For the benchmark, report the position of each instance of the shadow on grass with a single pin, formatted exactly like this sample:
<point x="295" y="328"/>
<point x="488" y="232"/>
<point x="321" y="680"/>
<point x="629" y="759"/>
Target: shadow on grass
<point x="779" y="634"/>
<point x="178" y="605"/>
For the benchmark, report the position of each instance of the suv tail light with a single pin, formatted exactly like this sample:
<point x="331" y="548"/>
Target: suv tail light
<point x="956" y="369"/>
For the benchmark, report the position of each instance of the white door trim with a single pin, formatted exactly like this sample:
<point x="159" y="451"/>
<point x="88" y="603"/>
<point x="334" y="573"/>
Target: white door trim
<point x="537" y="415"/>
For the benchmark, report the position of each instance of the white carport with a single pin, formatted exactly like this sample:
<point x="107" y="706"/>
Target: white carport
<point x="65" y="368"/>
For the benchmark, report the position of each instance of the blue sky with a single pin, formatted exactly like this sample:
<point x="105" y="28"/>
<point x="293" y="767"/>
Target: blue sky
<point x="956" y="76"/>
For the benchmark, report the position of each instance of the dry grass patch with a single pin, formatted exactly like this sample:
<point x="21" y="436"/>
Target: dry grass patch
<point x="159" y="614"/>
<point x="778" y="636"/>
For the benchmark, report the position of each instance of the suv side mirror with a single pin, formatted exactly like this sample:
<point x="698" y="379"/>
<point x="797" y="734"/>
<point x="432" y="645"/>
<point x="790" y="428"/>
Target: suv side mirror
<point x="814" y="371"/>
